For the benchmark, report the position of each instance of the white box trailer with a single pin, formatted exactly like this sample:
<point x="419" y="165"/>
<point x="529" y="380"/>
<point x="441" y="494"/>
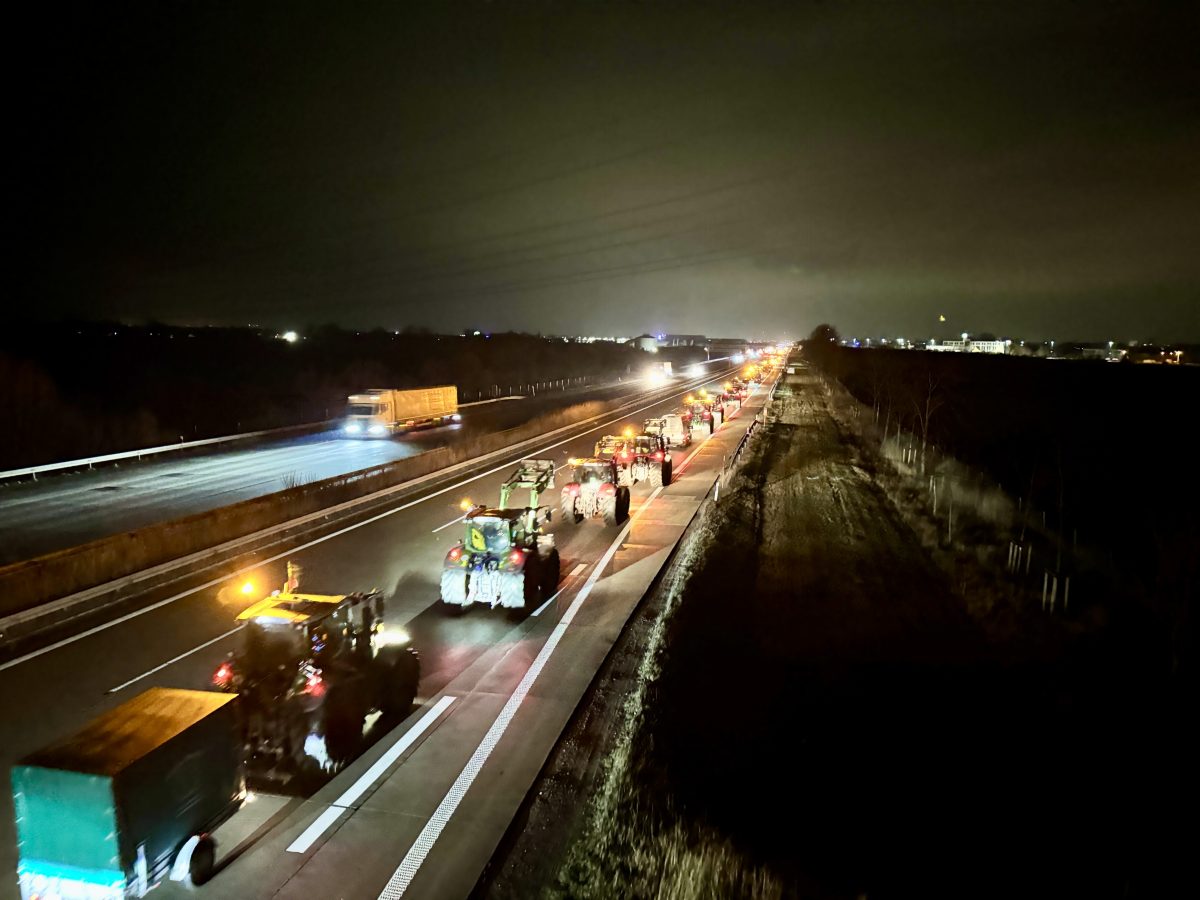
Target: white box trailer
<point x="384" y="411"/>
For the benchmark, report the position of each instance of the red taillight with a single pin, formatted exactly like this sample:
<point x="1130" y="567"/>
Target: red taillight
<point x="515" y="558"/>
<point x="223" y="676"/>
<point x="314" y="684"/>
<point x="658" y="454"/>
<point x="608" y="488"/>
<point x="573" y="490"/>
<point x="455" y="553"/>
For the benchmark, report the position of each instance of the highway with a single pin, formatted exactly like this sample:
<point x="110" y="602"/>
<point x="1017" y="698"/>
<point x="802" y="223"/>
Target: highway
<point x="66" y="510"/>
<point x="480" y="672"/>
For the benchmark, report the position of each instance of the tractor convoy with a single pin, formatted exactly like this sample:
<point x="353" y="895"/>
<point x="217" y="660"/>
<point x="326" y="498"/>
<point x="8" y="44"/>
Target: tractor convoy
<point x="298" y="698"/>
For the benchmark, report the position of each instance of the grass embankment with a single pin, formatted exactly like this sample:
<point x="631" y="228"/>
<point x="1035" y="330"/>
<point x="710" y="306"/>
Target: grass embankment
<point x="820" y="716"/>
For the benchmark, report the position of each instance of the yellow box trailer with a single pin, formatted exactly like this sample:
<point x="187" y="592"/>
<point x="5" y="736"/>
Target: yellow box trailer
<point x="384" y="411"/>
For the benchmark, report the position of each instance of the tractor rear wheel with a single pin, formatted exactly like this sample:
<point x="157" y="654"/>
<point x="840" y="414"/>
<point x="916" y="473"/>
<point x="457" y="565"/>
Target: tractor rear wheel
<point x="398" y="674"/>
<point x="454" y="590"/>
<point x="344" y="718"/>
<point x="519" y="590"/>
<point x="551" y="572"/>
<point x="666" y="472"/>
<point x="568" y="504"/>
<point x="716" y="419"/>
<point x="608" y="508"/>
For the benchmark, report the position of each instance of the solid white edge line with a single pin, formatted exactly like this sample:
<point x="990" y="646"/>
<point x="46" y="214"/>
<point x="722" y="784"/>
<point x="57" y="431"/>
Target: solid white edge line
<point x="577" y="570"/>
<point x="67" y="641"/>
<point x="403" y="876"/>
<point x="159" y="668"/>
<point x="322" y="822"/>
<point x="453" y="521"/>
<point x="541" y="609"/>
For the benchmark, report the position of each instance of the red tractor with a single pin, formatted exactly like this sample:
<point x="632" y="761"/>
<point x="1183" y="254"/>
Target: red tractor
<point x="639" y="457"/>
<point x="595" y="492"/>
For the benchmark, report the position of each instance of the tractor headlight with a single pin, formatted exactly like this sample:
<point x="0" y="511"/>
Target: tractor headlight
<point x="392" y="637"/>
<point x="352" y="428"/>
<point x="376" y="429"/>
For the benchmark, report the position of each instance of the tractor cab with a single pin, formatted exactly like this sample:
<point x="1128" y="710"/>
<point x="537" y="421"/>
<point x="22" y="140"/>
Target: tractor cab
<point x="285" y="633"/>
<point x="593" y="472"/>
<point x="497" y="531"/>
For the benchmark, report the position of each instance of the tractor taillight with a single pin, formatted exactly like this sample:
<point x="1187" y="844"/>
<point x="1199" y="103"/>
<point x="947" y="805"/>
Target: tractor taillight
<point x="314" y="684"/>
<point x="516" y="557"/>
<point x="658" y="455"/>
<point x="573" y="490"/>
<point x="455" y="554"/>
<point x="608" y="488"/>
<point x="223" y="676"/>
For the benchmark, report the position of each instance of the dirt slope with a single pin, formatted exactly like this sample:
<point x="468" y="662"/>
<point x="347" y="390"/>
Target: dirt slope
<point x="819" y="717"/>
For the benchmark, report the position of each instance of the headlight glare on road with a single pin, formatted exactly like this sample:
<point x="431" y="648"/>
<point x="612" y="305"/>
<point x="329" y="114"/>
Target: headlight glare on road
<point x="392" y="637"/>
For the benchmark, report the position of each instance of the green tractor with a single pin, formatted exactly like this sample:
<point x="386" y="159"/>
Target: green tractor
<point x="505" y="558"/>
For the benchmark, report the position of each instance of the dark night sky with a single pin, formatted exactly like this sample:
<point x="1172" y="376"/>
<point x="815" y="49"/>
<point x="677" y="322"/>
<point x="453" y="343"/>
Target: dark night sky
<point x="1026" y="168"/>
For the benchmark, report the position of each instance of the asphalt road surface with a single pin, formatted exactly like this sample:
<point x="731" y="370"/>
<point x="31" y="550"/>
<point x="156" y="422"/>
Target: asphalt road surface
<point x="52" y="691"/>
<point x="66" y="510"/>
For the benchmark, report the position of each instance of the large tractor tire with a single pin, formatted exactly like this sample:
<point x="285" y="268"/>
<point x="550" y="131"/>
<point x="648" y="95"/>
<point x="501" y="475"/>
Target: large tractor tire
<point x="568" y="505"/>
<point x="704" y="429"/>
<point x="608" y="508"/>
<point x="656" y="475"/>
<point x="519" y="590"/>
<point x="344" y="716"/>
<point x="398" y="675"/>
<point x="616" y="507"/>
<point x="717" y="416"/>
<point x="665" y="473"/>
<point x="454" y="590"/>
<point x="551" y="572"/>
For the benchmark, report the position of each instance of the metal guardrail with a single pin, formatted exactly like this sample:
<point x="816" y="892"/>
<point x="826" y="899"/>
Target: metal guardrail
<point x="91" y="461"/>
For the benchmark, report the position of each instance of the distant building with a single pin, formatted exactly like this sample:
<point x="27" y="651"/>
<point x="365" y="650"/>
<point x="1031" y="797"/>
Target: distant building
<point x="647" y="342"/>
<point x="683" y="340"/>
<point x="969" y="346"/>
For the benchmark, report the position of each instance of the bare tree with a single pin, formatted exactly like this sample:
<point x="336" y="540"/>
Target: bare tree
<point x="925" y="407"/>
